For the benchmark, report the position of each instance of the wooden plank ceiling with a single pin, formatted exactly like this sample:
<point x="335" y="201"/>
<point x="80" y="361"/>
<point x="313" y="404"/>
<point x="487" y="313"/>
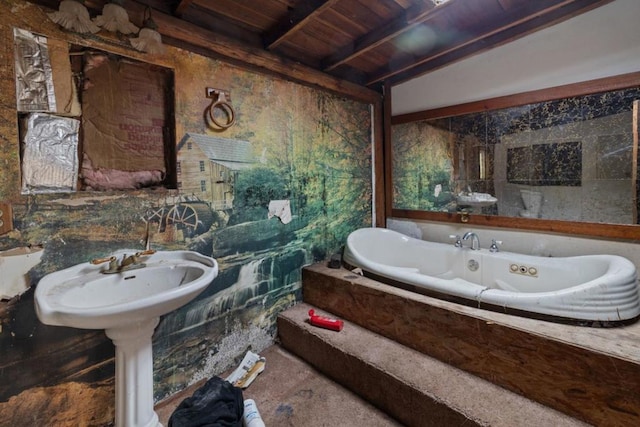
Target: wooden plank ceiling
<point x="362" y="42"/>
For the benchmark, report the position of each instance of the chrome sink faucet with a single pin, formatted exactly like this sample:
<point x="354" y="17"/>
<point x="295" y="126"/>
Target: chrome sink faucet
<point x="475" y="241"/>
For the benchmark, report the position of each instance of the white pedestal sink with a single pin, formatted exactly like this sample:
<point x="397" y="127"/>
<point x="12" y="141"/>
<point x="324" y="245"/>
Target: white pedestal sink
<point x="477" y="200"/>
<point x="127" y="304"/>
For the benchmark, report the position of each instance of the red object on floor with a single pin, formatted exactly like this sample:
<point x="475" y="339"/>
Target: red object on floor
<point x="325" y="322"/>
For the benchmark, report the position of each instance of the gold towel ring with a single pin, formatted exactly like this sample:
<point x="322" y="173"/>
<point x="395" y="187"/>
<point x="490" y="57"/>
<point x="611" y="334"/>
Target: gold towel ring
<point x="223" y="104"/>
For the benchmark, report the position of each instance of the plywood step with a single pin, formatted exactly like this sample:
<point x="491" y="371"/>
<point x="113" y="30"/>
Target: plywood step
<point x="412" y="387"/>
<point x="591" y="374"/>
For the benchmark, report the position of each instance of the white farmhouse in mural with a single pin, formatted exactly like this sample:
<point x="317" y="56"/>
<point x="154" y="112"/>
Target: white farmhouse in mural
<point x="207" y="167"/>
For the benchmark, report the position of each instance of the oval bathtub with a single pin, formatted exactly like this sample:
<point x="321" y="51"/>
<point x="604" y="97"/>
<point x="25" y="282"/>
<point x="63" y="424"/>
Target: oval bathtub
<point x="593" y="288"/>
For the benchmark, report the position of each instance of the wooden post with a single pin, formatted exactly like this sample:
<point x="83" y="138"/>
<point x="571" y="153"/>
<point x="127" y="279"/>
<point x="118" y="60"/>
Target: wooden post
<point x="634" y="162"/>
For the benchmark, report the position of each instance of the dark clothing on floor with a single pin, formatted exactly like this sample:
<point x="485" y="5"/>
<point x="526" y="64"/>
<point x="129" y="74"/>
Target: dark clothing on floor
<point x="216" y="404"/>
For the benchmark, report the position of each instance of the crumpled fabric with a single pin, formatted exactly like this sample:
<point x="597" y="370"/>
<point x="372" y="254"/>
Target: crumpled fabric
<point x="216" y="404"/>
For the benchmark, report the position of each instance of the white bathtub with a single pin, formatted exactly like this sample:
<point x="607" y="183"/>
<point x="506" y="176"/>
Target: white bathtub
<point x="594" y="288"/>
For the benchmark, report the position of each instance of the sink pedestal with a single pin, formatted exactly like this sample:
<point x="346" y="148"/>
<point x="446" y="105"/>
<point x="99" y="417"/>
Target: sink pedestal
<point x="127" y="305"/>
<point x="134" y="374"/>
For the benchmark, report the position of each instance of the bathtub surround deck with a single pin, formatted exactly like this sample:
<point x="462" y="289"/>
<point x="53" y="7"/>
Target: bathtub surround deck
<point x="298" y="387"/>
<point x="592" y="374"/>
<point x="291" y="392"/>
<point x="414" y="388"/>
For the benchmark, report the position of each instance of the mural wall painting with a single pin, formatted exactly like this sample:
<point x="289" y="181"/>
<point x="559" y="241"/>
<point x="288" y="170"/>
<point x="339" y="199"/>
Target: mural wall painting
<point x="289" y="143"/>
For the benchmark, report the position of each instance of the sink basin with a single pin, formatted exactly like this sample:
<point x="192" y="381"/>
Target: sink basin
<point x="127" y="304"/>
<point x="476" y="199"/>
<point x="83" y="297"/>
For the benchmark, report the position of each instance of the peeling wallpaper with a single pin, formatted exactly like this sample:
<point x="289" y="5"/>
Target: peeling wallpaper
<point x="307" y="146"/>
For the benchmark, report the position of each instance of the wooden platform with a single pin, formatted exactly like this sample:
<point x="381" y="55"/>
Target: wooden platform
<point x="414" y="388"/>
<point x="592" y="374"/>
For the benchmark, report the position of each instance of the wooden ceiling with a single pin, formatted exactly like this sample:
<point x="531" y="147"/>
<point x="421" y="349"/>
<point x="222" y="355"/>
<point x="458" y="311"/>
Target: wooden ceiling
<point x="360" y="42"/>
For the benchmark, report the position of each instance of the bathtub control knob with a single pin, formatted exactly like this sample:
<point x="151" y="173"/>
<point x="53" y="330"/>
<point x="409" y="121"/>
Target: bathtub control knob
<point x="533" y="271"/>
<point x="513" y="268"/>
<point x="458" y="241"/>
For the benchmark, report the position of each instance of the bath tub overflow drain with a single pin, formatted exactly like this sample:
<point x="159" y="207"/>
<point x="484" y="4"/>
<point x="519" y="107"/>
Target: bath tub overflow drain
<point x="473" y="265"/>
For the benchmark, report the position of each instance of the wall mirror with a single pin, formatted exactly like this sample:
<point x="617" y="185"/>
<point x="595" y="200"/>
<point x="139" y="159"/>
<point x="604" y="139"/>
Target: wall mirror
<point x="91" y="119"/>
<point x="554" y="164"/>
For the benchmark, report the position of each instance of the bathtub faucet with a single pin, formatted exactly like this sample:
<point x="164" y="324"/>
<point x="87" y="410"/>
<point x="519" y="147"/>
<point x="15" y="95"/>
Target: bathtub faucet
<point x="475" y="241"/>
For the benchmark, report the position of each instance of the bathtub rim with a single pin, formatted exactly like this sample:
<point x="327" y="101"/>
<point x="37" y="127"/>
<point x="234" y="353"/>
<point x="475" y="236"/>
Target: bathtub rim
<point x="493" y="307"/>
<point x="475" y="300"/>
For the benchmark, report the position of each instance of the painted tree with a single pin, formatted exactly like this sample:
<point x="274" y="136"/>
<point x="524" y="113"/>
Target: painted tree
<point x="422" y="166"/>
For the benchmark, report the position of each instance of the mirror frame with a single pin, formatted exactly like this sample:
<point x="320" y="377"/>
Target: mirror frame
<point x="603" y="230"/>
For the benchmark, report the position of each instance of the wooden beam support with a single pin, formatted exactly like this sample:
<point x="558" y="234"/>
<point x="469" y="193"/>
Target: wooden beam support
<point x="634" y="160"/>
<point x="227" y="48"/>
<point x="412" y="17"/>
<point x="294" y="21"/>
<point x="182" y="7"/>
<point x="185" y="35"/>
<point x="195" y="14"/>
<point x="513" y="25"/>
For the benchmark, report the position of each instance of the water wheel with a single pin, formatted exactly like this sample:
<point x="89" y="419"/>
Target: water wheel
<point x="192" y="218"/>
<point x="157" y="215"/>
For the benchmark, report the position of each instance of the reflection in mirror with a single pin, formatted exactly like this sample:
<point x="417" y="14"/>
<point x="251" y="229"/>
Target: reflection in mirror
<point x="572" y="159"/>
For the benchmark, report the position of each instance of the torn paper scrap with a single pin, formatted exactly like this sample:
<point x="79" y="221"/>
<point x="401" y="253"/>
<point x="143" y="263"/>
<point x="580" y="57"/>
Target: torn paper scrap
<point x="252" y="364"/>
<point x="281" y="209"/>
<point x="14" y="268"/>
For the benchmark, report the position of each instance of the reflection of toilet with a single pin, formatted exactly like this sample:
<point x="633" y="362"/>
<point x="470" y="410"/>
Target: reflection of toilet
<point x="532" y="203"/>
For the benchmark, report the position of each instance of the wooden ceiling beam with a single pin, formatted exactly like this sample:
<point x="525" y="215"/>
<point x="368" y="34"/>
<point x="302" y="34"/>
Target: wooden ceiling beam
<point x="182" y="7"/>
<point x="190" y="24"/>
<point x="226" y="47"/>
<point x="410" y="18"/>
<point x="166" y="6"/>
<point x="513" y="25"/>
<point x="193" y="13"/>
<point x="295" y="20"/>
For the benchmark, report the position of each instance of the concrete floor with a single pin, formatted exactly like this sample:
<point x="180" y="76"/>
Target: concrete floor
<point x="291" y="393"/>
